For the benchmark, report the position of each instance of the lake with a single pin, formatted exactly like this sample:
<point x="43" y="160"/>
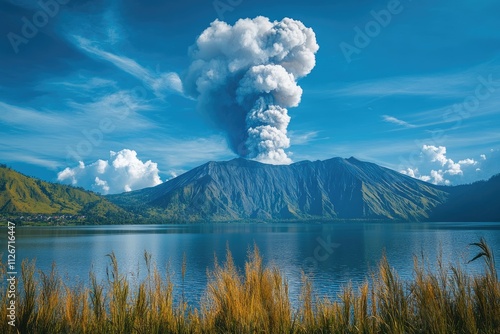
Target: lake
<point x="330" y="254"/>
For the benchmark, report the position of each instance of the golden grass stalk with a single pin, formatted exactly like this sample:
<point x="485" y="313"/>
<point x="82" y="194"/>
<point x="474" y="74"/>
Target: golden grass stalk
<point x="255" y="299"/>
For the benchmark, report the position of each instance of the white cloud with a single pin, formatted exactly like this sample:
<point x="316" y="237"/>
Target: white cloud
<point x="468" y="161"/>
<point x="454" y="168"/>
<point x="160" y="83"/>
<point x="413" y="172"/>
<point x="79" y="84"/>
<point x="448" y="85"/>
<point x="180" y="152"/>
<point x="438" y="154"/>
<point x="437" y="177"/>
<point x="297" y="138"/>
<point x="435" y="153"/>
<point x="166" y="82"/>
<point x="27" y="117"/>
<point x="122" y="172"/>
<point x="26" y="156"/>
<point x="448" y="171"/>
<point x="410" y="172"/>
<point x="394" y="120"/>
<point x="173" y="173"/>
<point x="126" y="64"/>
<point x="103" y="184"/>
<point x="461" y="87"/>
<point x="45" y="137"/>
<point x="425" y="178"/>
<point x="491" y="165"/>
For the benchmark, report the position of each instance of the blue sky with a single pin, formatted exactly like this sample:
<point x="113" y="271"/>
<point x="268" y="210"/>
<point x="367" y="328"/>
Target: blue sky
<point x="417" y="91"/>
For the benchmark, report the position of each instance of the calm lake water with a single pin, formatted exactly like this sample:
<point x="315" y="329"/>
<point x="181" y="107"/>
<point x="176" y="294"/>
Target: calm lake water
<point x="330" y="254"/>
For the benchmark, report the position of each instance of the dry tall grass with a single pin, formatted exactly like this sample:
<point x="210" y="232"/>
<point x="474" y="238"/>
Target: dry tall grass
<point x="256" y="300"/>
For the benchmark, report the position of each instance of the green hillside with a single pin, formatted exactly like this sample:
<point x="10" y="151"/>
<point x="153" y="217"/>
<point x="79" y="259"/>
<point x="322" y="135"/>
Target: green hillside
<point x="20" y="194"/>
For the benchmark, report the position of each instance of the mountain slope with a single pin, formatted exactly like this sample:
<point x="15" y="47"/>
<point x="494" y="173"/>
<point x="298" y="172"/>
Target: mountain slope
<point x="20" y="194"/>
<point x="479" y="201"/>
<point x="240" y="189"/>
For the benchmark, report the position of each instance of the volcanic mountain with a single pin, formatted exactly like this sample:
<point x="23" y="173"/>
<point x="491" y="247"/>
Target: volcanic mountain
<point x="332" y="189"/>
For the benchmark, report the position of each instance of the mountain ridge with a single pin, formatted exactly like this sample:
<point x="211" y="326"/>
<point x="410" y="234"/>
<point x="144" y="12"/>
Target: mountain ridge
<point x="336" y="188"/>
<point x="245" y="190"/>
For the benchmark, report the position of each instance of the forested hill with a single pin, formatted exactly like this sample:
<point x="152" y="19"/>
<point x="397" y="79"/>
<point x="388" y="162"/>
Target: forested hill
<point x="479" y="201"/>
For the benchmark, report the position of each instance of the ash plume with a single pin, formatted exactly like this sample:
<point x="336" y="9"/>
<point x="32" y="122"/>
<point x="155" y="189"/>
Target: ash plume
<point x="245" y="77"/>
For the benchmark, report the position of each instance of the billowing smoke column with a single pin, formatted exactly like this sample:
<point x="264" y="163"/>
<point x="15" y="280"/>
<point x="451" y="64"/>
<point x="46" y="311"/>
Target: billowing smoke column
<point x="244" y="77"/>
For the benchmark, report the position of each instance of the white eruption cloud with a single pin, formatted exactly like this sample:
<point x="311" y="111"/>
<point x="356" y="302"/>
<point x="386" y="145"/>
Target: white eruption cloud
<point x="122" y="172"/>
<point x="245" y="77"/>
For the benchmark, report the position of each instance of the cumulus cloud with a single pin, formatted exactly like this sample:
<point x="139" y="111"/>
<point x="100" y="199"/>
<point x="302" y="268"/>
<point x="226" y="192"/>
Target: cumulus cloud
<point x="435" y="153"/>
<point x="438" y="154"/>
<point x="425" y="178"/>
<point x="123" y="171"/>
<point x="414" y="172"/>
<point x="437" y="177"/>
<point x="468" y="162"/>
<point x="245" y="77"/>
<point x="448" y="171"/>
<point x="410" y="172"/>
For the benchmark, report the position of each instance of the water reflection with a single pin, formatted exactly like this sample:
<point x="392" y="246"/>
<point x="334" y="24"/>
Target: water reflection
<point x="354" y="249"/>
